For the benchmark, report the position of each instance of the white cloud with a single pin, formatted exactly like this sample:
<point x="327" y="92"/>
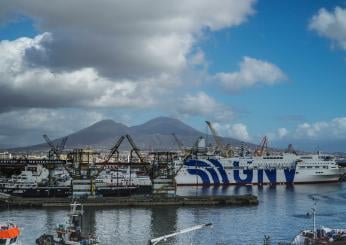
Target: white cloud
<point x="125" y="38"/>
<point x="238" y="131"/>
<point x="333" y="129"/>
<point x="282" y="132"/>
<point x="107" y="53"/>
<point x="198" y="58"/>
<point x="201" y="104"/>
<point x="25" y="127"/>
<point x="252" y="72"/>
<point x="61" y="121"/>
<point x="25" y="86"/>
<point x="279" y="134"/>
<point x="331" y="25"/>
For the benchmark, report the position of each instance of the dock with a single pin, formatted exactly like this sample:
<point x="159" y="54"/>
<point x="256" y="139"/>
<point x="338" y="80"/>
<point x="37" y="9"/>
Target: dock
<point x="133" y="201"/>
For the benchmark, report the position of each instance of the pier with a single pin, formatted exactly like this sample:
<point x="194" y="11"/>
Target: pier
<point x="133" y="201"/>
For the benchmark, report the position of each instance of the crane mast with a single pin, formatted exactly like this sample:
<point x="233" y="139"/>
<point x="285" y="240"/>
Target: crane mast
<point x="179" y="144"/>
<point x="262" y="147"/>
<point x="226" y="152"/>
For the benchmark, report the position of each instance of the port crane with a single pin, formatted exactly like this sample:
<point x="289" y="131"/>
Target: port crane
<point x="134" y="149"/>
<point x="114" y="150"/>
<point x="185" y="150"/>
<point x="179" y="143"/>
<point x="262" y="148"/>
<point x="226" y="151"/>
<point x="57" y="150"/>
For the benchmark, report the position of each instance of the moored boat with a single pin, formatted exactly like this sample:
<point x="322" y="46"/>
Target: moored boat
<point x="320" y="236"/>
<point x="72" y="234"/>
<point x="9" y="234"/>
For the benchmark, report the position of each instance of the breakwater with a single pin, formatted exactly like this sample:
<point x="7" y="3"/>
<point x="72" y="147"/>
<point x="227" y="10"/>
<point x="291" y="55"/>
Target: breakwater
<point x="134" y="201"/>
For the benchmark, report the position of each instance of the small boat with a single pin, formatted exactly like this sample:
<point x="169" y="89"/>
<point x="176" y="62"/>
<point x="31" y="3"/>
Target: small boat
<point x="320" y="236"/>
<point x="70" y="235"/>
<point x="9" y="234"/>
<point x="165" y="237"/>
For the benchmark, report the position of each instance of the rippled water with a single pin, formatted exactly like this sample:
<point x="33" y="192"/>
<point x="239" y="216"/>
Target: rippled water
<point x="280" y="214"/>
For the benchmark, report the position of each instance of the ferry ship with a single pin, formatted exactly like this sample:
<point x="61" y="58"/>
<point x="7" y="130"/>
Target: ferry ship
<point x="122" y="182"/>
<point x="285" y="168"/>
<point x="34" y="182"/>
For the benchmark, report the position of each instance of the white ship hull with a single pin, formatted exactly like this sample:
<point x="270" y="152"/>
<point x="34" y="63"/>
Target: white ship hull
<point x="260" y="171"/>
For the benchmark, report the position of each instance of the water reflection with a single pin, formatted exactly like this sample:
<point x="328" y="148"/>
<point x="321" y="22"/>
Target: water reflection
<point x="281" y="213"/>
<point x="163" y="222"/>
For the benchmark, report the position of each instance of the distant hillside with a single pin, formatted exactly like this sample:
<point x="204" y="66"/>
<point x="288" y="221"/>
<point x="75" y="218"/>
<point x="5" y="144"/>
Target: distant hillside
<point x="152" y="135"/>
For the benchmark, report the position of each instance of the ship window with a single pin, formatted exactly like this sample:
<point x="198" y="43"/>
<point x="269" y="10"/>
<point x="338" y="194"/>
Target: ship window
<point x="309" y="167"/>
<point x="2" y="241"/>
<point x="325" y="166"/>
<point x="13" y="240"/>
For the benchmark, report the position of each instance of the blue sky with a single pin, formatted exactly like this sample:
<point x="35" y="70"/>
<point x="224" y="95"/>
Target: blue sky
<point x="185" y="63"/>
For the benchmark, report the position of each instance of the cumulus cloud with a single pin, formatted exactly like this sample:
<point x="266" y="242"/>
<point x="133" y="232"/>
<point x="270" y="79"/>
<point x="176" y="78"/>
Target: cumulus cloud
<point x="252" y="72"/>
<point x="201" y="104"/>
<point x="333" y="129"/>
<point x="325" y="135"/>
<point x="331" y="24"/>
<point x="238" y="131"/>
<point x="121" y="38"/>
<point x="282" y="132"/>
<point x="106" y="53"/>
<point x="114" y="54"/>
<point x="50" y="120"/>
<point x="25" y="127"/>
<point x="25" y="86"/>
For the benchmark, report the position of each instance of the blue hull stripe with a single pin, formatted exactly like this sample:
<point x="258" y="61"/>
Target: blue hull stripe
<point x="248" y="178"/>
<point x="214" y="175"/>
<point x="289" y="174"/>
<point x="194" y="163"/>
<point x="204" y="176"/>
<point x="222" y="171"/>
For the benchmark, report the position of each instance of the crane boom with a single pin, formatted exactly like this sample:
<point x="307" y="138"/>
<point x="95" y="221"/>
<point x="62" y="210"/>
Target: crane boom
<point x="180" y="145"/>
<point x="216" y="137"/>
<point x="62" y="144"/>
<point x="57" y="150"/>
<point x="262" y="147"/>
<point x="52" y="146"/>
<point x="135" y="148"/>
<point x="114" y="149"/>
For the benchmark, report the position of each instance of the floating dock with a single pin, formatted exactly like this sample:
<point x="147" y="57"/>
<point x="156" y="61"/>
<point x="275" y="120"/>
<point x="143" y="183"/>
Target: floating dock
<point x="133" y="201"/>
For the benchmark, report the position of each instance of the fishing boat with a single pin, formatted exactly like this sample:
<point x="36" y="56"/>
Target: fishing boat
<point x="9" y="234"/>
<point x="320" y="236"/>
<point x="72" y="233"/>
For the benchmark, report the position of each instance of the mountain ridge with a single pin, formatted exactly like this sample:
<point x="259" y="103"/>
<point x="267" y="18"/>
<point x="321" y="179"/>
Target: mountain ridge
<point x="155" y="134"/>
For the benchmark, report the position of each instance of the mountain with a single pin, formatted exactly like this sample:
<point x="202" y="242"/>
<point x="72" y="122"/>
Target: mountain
<point x="155" y="134"/>
<point x="99" y="133"/>
<point x="164" y="126"/>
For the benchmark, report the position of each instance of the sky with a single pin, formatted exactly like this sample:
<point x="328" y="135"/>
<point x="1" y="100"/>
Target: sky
<point x="251" y="67"/>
